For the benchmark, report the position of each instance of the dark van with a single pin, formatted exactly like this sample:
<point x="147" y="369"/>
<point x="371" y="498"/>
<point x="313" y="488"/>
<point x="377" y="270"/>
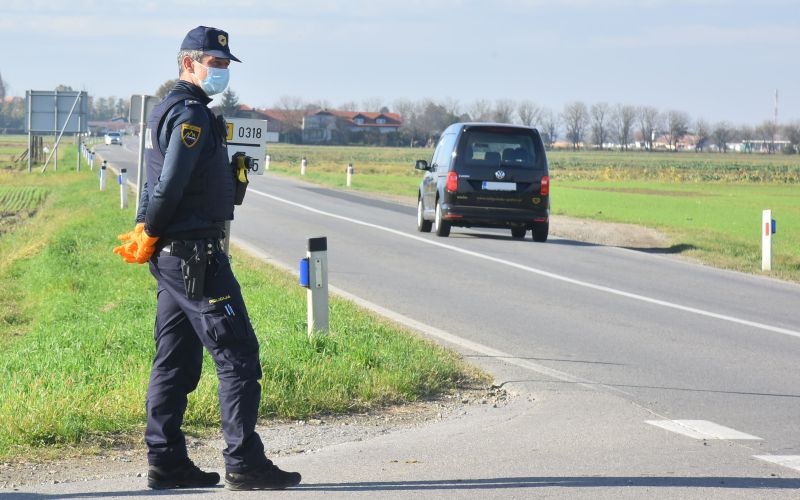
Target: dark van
<point x="486" y="175"/>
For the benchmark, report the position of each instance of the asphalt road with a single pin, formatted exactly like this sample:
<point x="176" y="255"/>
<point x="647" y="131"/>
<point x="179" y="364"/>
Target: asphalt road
<point x="635" y="374"/>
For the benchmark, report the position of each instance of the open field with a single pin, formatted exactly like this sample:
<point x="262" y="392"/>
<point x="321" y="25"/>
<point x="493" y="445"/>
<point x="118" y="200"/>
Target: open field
<point x="76" y="333"/>
<point x="709" y="204"/>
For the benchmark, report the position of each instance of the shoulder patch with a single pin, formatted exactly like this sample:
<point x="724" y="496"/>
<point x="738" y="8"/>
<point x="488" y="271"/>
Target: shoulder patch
<point x="190" y="102"/>
<point x="190" y="134"/>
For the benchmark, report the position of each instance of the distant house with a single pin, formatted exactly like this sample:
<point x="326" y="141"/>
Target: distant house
<point x="327" y="126"/>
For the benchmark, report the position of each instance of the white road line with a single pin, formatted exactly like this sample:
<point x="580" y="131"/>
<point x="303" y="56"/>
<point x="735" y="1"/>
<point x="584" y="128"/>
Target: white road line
<point x="565" y="279"/>
<point x="701" y="429"/>
<point x="790" y="461"/>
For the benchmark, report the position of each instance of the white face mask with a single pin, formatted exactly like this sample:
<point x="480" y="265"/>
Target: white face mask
<point x="216" y="80"/>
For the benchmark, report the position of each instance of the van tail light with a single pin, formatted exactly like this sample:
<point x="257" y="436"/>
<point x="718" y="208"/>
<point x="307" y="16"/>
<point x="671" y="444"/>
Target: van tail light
<point x="452" y="182"/>
<point x="545" y="190"/>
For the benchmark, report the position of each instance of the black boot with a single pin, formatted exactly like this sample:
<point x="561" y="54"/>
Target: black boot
<point x="267" y="477"/>
<point x="184" y="475"/>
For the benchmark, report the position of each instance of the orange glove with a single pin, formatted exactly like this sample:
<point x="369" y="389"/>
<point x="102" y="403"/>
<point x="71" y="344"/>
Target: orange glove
<point x="146" y="247"/>
<point x="139" y="247"/>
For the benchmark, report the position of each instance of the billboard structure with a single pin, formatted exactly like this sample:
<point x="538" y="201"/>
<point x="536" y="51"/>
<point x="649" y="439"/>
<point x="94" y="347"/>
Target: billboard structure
<point x="56" y="111"/>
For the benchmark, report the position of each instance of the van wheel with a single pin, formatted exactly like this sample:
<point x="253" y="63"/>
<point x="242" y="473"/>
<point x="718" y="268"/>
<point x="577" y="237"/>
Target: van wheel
<point x="423" y="226"/>
<point x="442" y="226"/>
<point x="518" y="232"/>
<point x="540" y="230"/>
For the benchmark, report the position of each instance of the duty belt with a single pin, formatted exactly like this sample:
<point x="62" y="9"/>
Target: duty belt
<point x="179" y="248"/>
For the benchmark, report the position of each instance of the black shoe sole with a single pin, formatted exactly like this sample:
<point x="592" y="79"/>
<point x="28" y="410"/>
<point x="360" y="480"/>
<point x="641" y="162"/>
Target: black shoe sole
<point x="245" y="487"/>
<point x="174" y="486"/>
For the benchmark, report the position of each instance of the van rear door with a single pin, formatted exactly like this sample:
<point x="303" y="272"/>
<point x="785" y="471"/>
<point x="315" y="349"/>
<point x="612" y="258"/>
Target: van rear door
<point x="500" y="167"/>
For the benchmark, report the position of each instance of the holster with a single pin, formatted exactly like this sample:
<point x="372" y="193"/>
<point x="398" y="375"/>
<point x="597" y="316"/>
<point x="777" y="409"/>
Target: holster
<point x="240" y="164"/>
<point x="194" y="260"/>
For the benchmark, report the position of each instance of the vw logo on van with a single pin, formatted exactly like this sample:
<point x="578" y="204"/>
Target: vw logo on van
<point x="500" y="175"/>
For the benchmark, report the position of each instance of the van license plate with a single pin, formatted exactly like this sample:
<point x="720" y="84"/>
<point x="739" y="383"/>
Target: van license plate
<point x="499" y="186"/>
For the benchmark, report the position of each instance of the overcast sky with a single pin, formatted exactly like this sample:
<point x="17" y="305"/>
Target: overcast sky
<point x="715" y="59"/>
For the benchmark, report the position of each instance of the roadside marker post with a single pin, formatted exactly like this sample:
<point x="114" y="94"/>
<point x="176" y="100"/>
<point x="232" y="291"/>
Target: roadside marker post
<point x="350" y="172"/>
<point x="314" y="277"/>
<point x="103" y="176"/>
<point x="122" y="179"/>
<point x="303" y="165"/>
<point x="768" y="228"/>
<point x="91" y="161"/>
<point x="266" y="162"/>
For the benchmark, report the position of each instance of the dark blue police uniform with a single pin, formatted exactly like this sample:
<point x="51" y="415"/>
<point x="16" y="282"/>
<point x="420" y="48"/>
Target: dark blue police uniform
<point x="188" y="196"/>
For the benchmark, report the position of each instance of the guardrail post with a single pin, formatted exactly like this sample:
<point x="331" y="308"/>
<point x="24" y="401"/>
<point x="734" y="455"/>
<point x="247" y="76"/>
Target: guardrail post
<point x="122" y="178"/>
<point x="314" y="277"/>
<point x="103" y="176"/>
<point x="350" y="172"/>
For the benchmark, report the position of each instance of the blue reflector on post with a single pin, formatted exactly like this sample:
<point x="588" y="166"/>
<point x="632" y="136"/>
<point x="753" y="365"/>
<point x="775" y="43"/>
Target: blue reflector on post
<point x="304" y="272"/>
<point x="774" y="226"/>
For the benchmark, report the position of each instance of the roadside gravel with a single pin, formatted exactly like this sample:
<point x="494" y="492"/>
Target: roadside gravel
<point x="282" y="438"/>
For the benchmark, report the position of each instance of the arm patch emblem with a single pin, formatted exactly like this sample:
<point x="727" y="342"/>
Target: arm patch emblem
<point x="190" y="134"/>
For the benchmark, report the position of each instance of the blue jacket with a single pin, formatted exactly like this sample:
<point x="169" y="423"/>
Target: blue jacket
<point x="189" y="190"/>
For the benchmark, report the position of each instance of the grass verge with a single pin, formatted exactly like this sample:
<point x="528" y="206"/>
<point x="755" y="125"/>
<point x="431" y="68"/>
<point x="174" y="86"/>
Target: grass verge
<point x="77" y="334"/>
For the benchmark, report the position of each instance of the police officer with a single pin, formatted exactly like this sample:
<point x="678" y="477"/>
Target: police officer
<point x="188" y="197"/>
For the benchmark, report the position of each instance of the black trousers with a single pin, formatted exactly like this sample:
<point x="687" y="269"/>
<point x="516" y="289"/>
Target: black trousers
<point x="219" y="322"/>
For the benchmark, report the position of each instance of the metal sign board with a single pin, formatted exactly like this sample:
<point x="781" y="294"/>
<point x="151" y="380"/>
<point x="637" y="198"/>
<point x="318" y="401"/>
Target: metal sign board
<point x="135" y="112"/>
<point x="51" y="111"/>
<point x="250" y="137"/>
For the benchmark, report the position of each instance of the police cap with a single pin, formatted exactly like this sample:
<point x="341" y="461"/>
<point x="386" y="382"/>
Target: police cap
<point x="211" y="41"/>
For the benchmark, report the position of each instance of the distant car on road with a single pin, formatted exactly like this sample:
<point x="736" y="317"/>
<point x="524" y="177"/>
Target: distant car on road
<point x="113" y="138"/>
<point x="486" y="175"/>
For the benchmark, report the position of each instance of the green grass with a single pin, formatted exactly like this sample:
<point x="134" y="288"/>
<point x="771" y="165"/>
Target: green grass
<point x="76" y="328"/>
<point x="17" y="199"/>
<point x="718" y="223"/>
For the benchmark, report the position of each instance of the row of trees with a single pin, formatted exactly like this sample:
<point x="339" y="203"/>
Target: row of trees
<point x="600" y="125"/>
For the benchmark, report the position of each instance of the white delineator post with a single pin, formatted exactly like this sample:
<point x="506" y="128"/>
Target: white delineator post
<point x="303" y="165"/>
<point x="123" y="188"/>
<point x="103" y="176"/>
<point x="349" y="174"/>
<point x="317" y="294"/>
<point x="766" y="240"/>
<point x="266" y="162"/>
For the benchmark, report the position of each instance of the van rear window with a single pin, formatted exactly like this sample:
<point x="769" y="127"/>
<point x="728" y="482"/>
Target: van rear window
<point x="493" y="149"/>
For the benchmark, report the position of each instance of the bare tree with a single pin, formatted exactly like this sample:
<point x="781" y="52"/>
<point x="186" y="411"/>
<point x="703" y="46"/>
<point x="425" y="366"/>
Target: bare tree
<point x="767" y="132"/>
<point x="600" y="115"/>
<point x="2" y="89"/>
<point x="649" y="119"/>
<point x="294" y="109"/>
<point x="623" y="119"/>
<point x="480" y="110"/>
<point x="549" y="128"/>
<point x="529" y="113"/>
<point x="503" y="111"/>
<point x="452" y="106"/>
<point x="703" y="133"/>
<point x="791" y="132"/>
<point x="371" y="105"/>
<point x="575" y="117"/>
<point x="677" y="127"/>
<point x="411" y="129"/>
<point x="723" y="134"/>
<point x="347" y="106"/>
